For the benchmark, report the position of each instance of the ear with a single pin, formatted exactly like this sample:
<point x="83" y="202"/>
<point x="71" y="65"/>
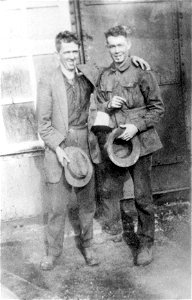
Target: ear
<point x="129" y="44"/>
<point x="56" y="57"/>
<point x="106" y="45"/>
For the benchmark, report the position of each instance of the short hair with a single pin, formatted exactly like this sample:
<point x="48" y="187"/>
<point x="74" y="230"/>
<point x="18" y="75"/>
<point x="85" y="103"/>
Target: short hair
<point x="117" y="31"/>
<point x="66" y="37"/>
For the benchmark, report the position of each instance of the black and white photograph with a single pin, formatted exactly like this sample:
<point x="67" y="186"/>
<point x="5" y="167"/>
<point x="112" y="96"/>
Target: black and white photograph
<point x="95" y="149"/>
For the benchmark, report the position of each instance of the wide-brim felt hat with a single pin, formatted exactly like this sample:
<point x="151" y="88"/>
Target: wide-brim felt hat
<point x="79" y="170"/>
<point x="122" y="153"/>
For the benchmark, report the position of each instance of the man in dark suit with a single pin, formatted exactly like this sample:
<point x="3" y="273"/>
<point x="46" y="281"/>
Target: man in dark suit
<point x="62" y="109"/>
<point x="131" y="97"/>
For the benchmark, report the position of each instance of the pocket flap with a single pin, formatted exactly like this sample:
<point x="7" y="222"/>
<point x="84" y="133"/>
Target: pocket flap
<point x="126" y="82"/>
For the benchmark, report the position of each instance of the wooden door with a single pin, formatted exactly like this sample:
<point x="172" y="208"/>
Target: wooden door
<point x="156" y="38"/>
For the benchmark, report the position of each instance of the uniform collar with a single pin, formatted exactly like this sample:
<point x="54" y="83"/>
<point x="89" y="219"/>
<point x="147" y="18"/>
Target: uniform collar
<point x="124" y="66"/>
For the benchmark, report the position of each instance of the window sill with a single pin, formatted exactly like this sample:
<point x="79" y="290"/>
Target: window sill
<point x="19" y="148"/>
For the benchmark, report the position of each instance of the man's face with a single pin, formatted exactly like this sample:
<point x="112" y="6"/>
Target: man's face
<point x="69" y="55"/>
<point x="119" y="48"/>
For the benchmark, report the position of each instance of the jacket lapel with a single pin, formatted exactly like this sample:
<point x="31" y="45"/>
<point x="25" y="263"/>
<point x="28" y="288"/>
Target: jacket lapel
<point x="90" y="71"/>
<point x="61" y="94"/>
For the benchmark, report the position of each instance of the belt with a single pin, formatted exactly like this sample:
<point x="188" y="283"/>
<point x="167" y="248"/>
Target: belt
<point x="141" y="108"/>
<point x="77" y="127"/>
<point x="134" y="111"/>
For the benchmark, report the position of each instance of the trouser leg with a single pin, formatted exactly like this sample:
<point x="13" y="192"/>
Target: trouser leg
<point x="85" y="196"/>
<point x="111" y="190"/>
<point x="86" y="204"/>
<point x="112" y="193"/>
<point x="58" y="194"/>
<point x="73" y="214"/>
<point x="141" y="174"/>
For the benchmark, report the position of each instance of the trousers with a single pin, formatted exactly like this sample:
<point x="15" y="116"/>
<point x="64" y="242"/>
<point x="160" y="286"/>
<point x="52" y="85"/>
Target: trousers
<point x="112" y="183"/>
<point x="78" y="203"/>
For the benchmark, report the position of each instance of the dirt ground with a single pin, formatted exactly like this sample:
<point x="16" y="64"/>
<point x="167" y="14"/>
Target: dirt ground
<point x="167" y="277"/>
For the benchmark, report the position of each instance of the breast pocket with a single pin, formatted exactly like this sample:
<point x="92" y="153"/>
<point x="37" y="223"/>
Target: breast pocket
<point x="130" y="93"/>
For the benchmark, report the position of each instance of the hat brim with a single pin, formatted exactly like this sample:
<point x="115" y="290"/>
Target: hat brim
<point x="127" y="161"/>
<point x="78" y="182"/>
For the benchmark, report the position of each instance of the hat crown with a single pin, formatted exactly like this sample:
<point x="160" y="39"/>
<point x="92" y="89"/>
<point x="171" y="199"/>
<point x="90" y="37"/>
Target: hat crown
<point x="102" y="122"/>
<point x="79" y="170"/>
<point x="78" y="164"/>
<point x="122" y="148"/>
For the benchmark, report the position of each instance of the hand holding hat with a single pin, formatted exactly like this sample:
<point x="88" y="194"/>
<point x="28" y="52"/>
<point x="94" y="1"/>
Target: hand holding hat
<point x="62" y="156"/>
<point x="129" y="132"/>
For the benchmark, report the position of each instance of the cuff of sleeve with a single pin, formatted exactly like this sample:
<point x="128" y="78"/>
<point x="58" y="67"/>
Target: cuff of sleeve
<point x="141" y="125"/>
<point x="59" y="139"/>
<point x="106" y="108"/>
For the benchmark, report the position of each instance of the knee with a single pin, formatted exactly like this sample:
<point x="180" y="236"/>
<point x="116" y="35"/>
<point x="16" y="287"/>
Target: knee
<point x="106" y="193"/>
<point x="144" y="202"/>
<point x="87" y="206"/>
<point x="59" y="209"/>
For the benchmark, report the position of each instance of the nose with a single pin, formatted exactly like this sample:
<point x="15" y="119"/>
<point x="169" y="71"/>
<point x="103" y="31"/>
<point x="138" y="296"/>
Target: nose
<point x="71" y="55"/>
<point x="116" y="49"/>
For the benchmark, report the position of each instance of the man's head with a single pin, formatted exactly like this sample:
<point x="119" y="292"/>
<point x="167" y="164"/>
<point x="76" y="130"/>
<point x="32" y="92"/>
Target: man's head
<point x="118" y="43"/>
<point x="67" y="46"/>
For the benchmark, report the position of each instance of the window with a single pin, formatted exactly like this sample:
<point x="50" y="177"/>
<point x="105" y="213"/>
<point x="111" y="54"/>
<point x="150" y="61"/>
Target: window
<point x="27" y="50"/>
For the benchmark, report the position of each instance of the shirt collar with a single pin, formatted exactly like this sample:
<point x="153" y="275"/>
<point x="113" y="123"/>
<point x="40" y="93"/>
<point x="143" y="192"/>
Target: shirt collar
<point x="122" y="67"/>
<point x="68" y="74"/>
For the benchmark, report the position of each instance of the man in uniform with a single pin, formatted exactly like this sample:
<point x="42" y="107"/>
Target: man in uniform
<point x="132" y="99"/>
